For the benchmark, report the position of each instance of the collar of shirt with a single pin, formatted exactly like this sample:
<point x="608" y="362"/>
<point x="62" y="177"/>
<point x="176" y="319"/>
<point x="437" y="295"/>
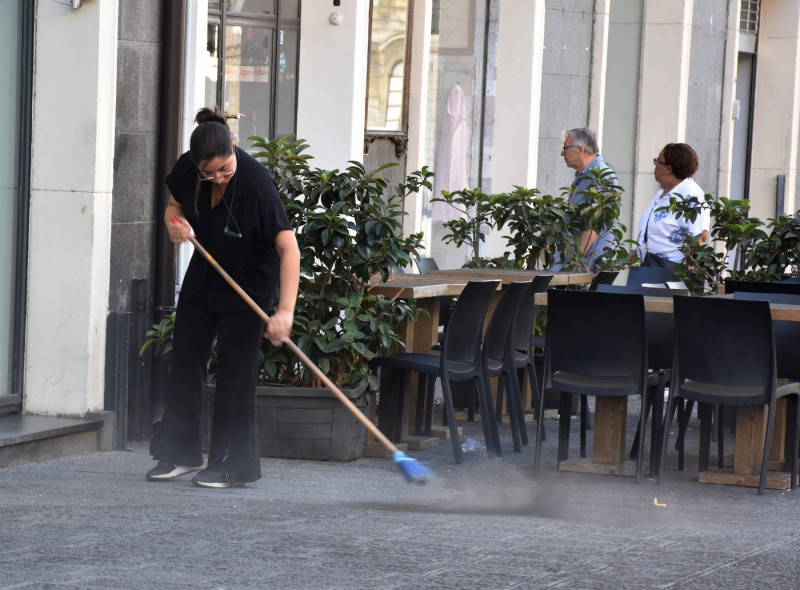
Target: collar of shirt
<point x="597" y="162"/>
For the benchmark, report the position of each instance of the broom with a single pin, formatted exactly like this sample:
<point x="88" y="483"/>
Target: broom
<point x="411" y="469"/>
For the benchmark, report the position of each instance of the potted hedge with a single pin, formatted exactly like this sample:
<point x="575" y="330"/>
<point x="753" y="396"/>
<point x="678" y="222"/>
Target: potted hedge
<point x="349" y="229"/>
<point x="541" y="230"/>
<point x="740" y="247"/>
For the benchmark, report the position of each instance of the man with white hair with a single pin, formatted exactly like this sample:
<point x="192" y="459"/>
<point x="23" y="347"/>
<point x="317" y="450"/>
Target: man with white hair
<point x="581" y="153"/>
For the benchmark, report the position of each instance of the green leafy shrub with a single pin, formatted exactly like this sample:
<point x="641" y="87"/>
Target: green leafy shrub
<point x="759" y="251"/>
<point x="349" y="230"/>
<point x="542" y="230"/>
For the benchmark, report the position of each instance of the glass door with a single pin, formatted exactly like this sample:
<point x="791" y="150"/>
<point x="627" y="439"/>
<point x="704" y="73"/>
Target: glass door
<point x="252" y="66"/>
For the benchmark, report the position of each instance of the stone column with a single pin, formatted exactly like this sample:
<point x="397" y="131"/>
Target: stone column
<point x="70" y="210"/>
<point x="520" y="45"/>
<point x="597" y="90"/>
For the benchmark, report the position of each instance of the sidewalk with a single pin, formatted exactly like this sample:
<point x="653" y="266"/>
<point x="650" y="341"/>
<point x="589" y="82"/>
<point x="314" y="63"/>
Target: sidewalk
<point x="93" y="521"/>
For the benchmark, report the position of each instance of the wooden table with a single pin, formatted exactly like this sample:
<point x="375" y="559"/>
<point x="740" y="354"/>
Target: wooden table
<point x="508" y="275"/>
<point x="608" y="454"/>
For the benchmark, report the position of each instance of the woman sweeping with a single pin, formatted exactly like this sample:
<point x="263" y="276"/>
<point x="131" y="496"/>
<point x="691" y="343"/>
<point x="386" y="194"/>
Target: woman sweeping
<point x="231" y="202"/>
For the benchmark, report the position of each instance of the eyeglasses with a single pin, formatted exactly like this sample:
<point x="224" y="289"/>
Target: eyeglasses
<point x="215" y="176"/>
<point x="564" y="148"/>
<point x="220" y="174"/>
<point x="657" y="161"/>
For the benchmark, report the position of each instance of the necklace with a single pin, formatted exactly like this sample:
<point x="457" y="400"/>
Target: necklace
<point x="227" y="231"/>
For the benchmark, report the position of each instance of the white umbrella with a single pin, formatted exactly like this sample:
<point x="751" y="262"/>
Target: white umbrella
<point x="451" y="162"/>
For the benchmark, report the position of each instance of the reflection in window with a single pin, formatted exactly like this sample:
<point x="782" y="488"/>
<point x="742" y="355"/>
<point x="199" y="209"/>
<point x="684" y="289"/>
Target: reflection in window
<point x="252" y="66"/>
<point x="211" y="74"/>
<point x="394" y="99"/>
<point x="255" y="6"/>
<point x="387" y="55"/>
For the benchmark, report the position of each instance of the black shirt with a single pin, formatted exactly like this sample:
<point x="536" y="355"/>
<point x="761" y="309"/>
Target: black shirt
<point x="251" y="206"/>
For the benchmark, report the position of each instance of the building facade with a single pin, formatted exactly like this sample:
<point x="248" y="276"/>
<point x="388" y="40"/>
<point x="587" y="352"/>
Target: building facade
<point x="106" y="92"/>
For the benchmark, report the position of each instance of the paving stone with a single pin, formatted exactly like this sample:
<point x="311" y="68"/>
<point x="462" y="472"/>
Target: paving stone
<point x="92" y="521"/>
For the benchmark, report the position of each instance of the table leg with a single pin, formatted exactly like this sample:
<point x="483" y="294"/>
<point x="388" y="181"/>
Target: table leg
<point x="611" y="414"/>
<point x="777" y="452"/>
<point x="608" y="449"/>
<point x="751" y="426"/>
<point x="748" y="443"/>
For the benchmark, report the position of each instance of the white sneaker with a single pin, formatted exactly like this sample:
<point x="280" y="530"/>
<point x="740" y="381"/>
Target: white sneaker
<point x="165" y="471"/>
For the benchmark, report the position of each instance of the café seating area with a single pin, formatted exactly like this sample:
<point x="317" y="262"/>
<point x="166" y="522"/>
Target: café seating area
<point x="733" y="357"/>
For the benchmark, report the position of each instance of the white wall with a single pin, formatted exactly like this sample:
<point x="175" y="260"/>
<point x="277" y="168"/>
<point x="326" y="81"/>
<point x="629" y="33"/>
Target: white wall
<point x="332" y="81"/>
<point x="663" y="91"/>
<point x="776" y="114"/>
<point x="70" y="214"/>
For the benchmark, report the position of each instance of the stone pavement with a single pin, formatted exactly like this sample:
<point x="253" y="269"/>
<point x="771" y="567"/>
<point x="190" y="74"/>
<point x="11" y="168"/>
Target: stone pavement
<point x="92" y="521"/>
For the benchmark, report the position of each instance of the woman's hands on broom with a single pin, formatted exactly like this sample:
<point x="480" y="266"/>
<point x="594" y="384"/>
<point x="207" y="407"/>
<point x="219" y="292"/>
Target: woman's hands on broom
<point x="279" y="327"/>
<point x="178" y="228"/>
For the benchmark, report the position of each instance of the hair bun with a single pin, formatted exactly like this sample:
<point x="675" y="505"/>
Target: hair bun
<point x="206" y="115"/>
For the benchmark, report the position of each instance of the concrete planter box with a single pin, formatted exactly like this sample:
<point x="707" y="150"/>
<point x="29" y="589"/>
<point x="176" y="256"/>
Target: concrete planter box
<point x="304" y="423"/>
<point x="309" y="423"/>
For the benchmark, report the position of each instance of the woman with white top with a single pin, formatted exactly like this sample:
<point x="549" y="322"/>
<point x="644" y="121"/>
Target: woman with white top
<point x="661" y="232"/>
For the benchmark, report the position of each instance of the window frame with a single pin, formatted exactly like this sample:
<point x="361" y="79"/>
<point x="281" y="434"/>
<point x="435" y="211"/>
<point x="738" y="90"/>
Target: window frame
<point x="398" y="136"/>
<point x="222" y="17"/>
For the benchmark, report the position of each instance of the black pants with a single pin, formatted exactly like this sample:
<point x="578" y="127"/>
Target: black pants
<point x="233" y="431"/>
<point x="658" y="261"/>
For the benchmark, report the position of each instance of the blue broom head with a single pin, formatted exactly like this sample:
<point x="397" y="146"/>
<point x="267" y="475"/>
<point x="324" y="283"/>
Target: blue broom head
<point x="412" y="470"/>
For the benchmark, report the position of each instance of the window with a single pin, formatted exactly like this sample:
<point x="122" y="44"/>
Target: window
<point x="387" y="79"/>
<point x="252" y="65"/>
<point x="748" y="16"/>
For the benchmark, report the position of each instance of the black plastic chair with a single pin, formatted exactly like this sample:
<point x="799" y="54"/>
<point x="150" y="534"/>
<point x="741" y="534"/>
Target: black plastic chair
<point x="739" y="369"/>
<point x="460" y="360"/>
<point x="604" y="277"/>
<point x="426" y="265"/>
<point x="497" y="359"/>
<point x="596" y="345"/>
<point x="524" y="339"/>
<point x="638" y="275"/>
<point x="787" y="334"/>
<point x="660" y="344"/>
